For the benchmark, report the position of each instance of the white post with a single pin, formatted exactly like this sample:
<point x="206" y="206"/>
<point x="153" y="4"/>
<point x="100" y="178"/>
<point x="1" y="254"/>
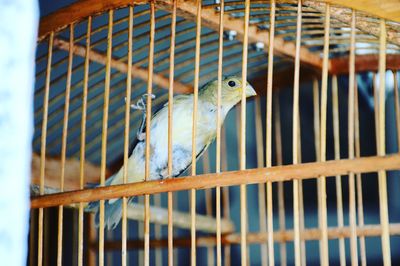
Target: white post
<point x="18" y="34"/>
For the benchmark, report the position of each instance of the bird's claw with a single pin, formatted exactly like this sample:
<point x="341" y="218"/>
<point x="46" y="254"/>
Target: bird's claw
<point x="141" y="105"/>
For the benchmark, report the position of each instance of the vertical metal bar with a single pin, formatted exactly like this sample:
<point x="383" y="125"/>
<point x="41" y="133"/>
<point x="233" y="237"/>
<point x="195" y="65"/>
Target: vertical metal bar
<point x="383" y="202"/>
<point x="148" y="140"/>
<point x="218" y="140"/>
<point x="170" y="125"/>
<point x="338" y="180"/>
<point x="104" y="133"/>
<point x="296" y="214"/>
<point x="83" y="138"/>
<point x="397" y="107"/>
<point x="268" y="141"/>
<point x="261" y="187"/>
<point x="243" y="200"/>
<point x="352" y="201"/>
<point x="281" y="198"/>
<point x="126" y="136"/>
<point x="64" y="141"/>
<point x="360" y="204"/>
<point x="194" y="129"/>
<point x="324" y="92"/>
<point x="43" y="145"/>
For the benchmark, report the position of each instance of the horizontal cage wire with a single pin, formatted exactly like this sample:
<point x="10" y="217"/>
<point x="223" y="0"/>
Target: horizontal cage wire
<point x="216" y="133"/>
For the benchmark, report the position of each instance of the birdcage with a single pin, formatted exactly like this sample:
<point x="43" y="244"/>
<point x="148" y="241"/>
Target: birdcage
<point x="304" y="173"/>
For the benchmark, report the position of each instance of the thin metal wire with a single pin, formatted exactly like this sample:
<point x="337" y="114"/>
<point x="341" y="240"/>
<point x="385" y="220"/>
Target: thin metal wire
<point x="268" y="142"/>
<point x="43" y="146"/>
<point x="194" y="131"/>
<point x="104" y="133"/>
<point x="218" y="140"/>
<point x="170" y="124"/>
<point x="243" y="200"/>
<point x="338" y="179"/>
<point x="352" y="200"/>
<point x="126" y="136"/>
<point x="281" y="198"/>
<point x="360" y="204"/>
<point x="383" y="202"/>
<point x="83" y="139"/>
<point x="64" y="142"/>
<point x="296" y="214"/>
<point x="323" y="220"/>
<point x="148" y="140"/>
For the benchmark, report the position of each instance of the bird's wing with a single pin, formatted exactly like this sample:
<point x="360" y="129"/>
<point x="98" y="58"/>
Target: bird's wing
<point x="197" y="157"/>
<point x="177" y="100"/>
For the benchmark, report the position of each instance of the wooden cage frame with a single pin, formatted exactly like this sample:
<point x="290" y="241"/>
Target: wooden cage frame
<point x="314" y="66"/>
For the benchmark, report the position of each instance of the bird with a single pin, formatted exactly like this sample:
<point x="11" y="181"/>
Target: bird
<point x="206" y="130"/>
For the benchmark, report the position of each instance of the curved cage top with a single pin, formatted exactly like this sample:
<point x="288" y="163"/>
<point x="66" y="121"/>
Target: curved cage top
<point x="312" y="41"/>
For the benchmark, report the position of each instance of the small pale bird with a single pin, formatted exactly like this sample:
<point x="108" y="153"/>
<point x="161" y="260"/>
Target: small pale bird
<point x="231" y="93"/>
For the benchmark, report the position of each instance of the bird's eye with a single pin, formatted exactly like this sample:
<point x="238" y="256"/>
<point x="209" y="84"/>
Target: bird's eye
<point x="231" y="83"/>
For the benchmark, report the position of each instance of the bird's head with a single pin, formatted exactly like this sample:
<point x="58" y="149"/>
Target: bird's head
<point x="231" y="91"/>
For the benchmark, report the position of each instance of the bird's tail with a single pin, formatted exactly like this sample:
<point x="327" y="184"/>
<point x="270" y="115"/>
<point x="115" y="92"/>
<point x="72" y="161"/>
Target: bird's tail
<point x="112" y="210"/>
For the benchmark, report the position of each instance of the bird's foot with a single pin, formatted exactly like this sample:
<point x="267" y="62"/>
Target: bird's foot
<point x="141" y="106"/>
<point x="141" y="103"/>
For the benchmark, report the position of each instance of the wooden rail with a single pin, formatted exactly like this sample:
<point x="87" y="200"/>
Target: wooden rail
<point x="251" y="176"/>
<point x="255" y="238"/>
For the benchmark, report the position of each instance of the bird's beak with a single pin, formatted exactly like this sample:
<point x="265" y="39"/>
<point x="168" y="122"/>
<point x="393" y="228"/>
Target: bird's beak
<point x="250" y="91"/>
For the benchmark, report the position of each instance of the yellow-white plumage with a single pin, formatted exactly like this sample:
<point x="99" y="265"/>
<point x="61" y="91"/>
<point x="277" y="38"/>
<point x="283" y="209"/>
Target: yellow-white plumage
<point x="231" y="92"/>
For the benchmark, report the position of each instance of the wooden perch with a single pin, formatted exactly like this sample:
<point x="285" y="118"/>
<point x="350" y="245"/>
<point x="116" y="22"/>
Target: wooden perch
<point x="256" y="238"/>
<point x="72" y="172"/>
<point x="232" y="178"/>
<point x="137" y="72"/>
<point x="181" y="220"/>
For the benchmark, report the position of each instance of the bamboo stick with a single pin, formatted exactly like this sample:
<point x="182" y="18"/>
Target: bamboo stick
<point x="242" y="150"/>
<point x="126" y="137"/>
<point x="170" y="124"/>
<point x="383" y="202"/>
<point x="281" y="198"/>
<point x="148" y="128"/>
<point x="43" y="146"/>
<point x="338" y="179"/>
<point x="218" y="137"/>
<point x="64" y="144"/>
<point x="261" y="187"/>
<point x="323" y="219"/>
<point x="83" y="167"/>
<point x="194" y="130"/>
<point x="352" y="203"/>
<point x="296" y="214"/>
<point x="268" y="141"/>
<point x="360" y="204"/>
<point x="104" y="133"/>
